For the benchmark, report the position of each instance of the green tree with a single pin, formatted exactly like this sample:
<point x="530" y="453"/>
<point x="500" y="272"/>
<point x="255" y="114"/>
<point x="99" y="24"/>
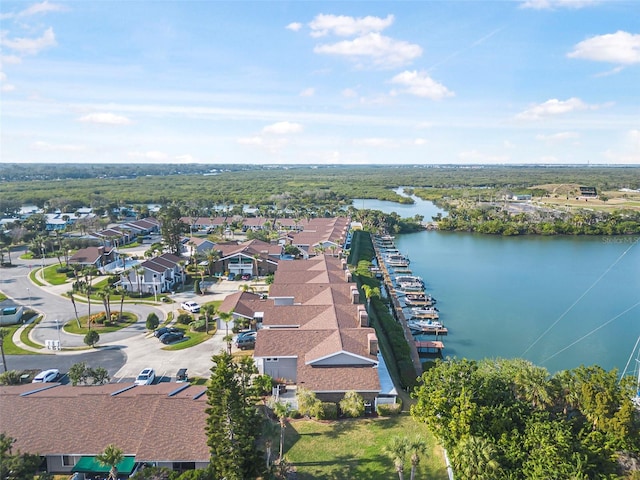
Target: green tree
<point x="122" y="292"/>
<point x="308" y="403"/>
<point x="78" y="373"/>
<point x="91" y="338"/>
<point x="152" y="321"/>
<point x="71" y="293"/>
<point x="397" y="449"/>
<point x="111" y="457"/>
<point x="99" y="375"/>
<point x="172" y="227"/>
<point x="352" y="404"/>
<point x="281" y="410"/>
<point x="227" y="317"/>
<point x="474" y="458"/>
<point x="233" y="424"/>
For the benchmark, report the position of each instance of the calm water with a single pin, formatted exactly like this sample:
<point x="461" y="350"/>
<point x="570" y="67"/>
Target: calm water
<point x="557" y="301"/>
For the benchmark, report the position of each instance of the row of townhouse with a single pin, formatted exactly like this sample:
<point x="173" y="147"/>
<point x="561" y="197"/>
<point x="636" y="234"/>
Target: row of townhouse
<point x="314" y="332"/>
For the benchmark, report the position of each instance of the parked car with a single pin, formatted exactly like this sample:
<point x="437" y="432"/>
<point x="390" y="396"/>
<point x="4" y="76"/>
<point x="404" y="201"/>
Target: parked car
<point x="247" y="333"/>
<point x="232" y="276"/>
<point x="145" y="377"/>
<point x="182" y="376"/>
<point x="245" y="342"/>
<point x="190" y="306"/>
<point x="161" y="331"/>
<point x="46" y="376"/>
<point x="246" y="276"/>
<point x="171" y="337"/>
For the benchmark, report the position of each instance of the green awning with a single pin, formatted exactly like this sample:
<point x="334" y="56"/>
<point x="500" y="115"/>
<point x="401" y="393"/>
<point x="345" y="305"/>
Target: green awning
<point x="91" y="465"/>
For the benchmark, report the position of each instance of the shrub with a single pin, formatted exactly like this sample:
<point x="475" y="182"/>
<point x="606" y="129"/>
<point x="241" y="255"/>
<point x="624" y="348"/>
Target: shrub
<point x="389" y="409"/>
<point x="11" y="377"/>
<point x="91" y="338"/>
<point x="352" y="404"/>
<point x="152" y="321"/>
<point x="196" y="286"/>
<point x="198" y="325"/>
<point x="263" y="384"/>
<point x="327" y="411"/>
<point x="308" y="403"/>
<point x="295" y="414"/>
<point x="184" y="318"/>
<point x="64" y="270"/>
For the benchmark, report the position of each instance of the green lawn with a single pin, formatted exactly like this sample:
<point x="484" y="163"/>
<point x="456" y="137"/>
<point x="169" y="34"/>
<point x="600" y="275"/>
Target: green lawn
<point x="9" y="347"/>
<point x="53" y="277"/>
<point x="72" y="325"/>
<point x="353" y="449"/>
<point x="194" y="339"/>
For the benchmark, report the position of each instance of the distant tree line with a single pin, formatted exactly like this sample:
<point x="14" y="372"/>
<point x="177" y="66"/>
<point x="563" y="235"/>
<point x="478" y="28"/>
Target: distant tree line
<point x="496" y="220"/>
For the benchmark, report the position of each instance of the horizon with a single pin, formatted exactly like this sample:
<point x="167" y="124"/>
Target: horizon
<point x="459" y="83"/>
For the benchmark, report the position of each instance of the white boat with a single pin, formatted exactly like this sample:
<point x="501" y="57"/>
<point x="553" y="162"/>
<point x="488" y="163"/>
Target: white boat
<point x="408" y="278"/>
<point x="423" y="310"/>
<point x="424" y="325"/>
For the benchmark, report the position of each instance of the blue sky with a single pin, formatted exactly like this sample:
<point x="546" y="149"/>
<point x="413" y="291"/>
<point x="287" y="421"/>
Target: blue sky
<point x="275" y="82"/>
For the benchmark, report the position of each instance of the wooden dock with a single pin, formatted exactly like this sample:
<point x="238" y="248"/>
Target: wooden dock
<point x="430" y="347"/>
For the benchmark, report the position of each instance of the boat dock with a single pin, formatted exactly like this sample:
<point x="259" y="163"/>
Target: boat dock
<point x="388" y="274"/>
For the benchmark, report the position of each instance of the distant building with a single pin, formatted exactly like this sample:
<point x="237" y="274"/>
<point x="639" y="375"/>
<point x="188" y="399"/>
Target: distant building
<point x="588" y="192"/>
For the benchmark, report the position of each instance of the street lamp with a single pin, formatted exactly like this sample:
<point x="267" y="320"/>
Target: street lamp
<point x="155" y="286"/>
<point x="58" y="328"/>
<point x="29" y="294"/>
<point x="42" y="250"/>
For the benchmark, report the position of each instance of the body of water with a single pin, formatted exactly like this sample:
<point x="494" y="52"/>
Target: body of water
<point x="557" y="301"/>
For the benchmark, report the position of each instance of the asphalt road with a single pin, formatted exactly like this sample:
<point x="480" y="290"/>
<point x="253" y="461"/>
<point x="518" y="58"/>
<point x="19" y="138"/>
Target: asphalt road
<point x="123" y="353"/>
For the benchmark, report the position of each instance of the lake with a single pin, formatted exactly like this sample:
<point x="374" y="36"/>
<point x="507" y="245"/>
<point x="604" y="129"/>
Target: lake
<point x="557" y="301"/>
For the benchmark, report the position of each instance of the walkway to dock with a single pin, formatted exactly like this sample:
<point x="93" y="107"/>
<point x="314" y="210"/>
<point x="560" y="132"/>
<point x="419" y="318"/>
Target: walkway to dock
<point x="397" y="308"/>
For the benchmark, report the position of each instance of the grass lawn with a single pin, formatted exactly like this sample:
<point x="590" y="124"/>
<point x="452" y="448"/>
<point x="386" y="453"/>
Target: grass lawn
<point x="9" y="347"/>
<point x="53" y="277"/>
<point x="353" y="449"/>
<point x="3" y="297"/>
<point x="72" y="326"/>
<point x="32" y="277"/>
<point x="194" y="339"/>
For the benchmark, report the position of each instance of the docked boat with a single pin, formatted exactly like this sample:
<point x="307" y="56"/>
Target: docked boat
<point x="418" y="300"/>
<point x="427" y="326"/>
<point x="396" y="260"/>
<point x="408" y="278"/>
<point x="425" y="312"/>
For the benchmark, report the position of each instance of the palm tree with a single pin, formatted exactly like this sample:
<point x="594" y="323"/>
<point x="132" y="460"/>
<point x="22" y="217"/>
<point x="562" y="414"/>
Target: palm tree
<point x="416" y="447"/>
<point x="111" y="457"/>
<point x="474" y="457"/>
<point x="122" y="292"/>
<point x="268" y="432"/>
<point x="396" y="449"/>
<point x="226" y="317"/>
<point x="209" y="311"/>
<point x="105" y="295"/>
<point x="75" y="308"/>
<point x="282" y="411"/>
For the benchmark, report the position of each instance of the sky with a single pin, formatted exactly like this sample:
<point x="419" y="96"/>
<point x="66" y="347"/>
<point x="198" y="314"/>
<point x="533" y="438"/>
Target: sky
<point x="304" y="82"/>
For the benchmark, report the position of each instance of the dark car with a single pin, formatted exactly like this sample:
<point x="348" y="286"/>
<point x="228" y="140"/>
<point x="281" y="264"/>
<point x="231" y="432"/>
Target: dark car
<point x="161" y="331"/>
<point x="171" y="337"/>
<point x="246" y="276"/>
<point x="248" y="341"/>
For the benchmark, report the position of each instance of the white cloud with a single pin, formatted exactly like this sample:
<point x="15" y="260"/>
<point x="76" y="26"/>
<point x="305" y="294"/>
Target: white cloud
<point x="424" y="125"/>
<point x="620" y="47"/>
<point x="380" y="51"/>
<point x="420" y="141"/>
<point x="36" y="8"/>
<point x="153" y="155"/>
<point x="558" y="137"/>
<point x="30" y="46"/>
<point x="186" y="158"/>
<point x="294" y="26"/>
<point x="50" y="147"/>
<point x="10" y="59"/>
<point x="551" y="4"/>
<point x="256" y="141"/>
<point x="43" y="7"/>
<point x="374" y="142"/>
<point x="554" y="107"/>
<point x="421" y="84"/>
<point x="308" y="92"/>
<point x="634" y="135"/>
<point x="5" y="87"/>
<point x="349" y="93"/>
<point x="344" y="26"/>
<point x="106" y="118"/>
<point x="282" y="128"/>
<point x="508" y="145"/>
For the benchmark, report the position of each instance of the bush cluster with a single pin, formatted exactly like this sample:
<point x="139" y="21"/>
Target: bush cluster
<point x="389" y="409"/>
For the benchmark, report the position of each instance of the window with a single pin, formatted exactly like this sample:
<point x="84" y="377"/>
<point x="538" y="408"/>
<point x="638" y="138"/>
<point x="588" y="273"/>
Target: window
<point x="68" y="460"/>
<point x="271" y="359"/>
